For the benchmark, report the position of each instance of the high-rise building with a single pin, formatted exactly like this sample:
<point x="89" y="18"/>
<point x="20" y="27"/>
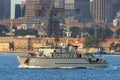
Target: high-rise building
<point x="20" y="10"/>
<point x="84" y="9"/>
<point x="5" y="6"/>
<point x="35" y="8"/>
<point x="116" y="21"/>
<point x="30" y="12"/>
<point x="101" y="11"/>
<point x="59" y="3"/>
<point x="115" y="8"/>
<point x="115" y="1"/>
<point x="69" y="6"/>
<point x="47" y="8"/>
<point x="81" y="7"/>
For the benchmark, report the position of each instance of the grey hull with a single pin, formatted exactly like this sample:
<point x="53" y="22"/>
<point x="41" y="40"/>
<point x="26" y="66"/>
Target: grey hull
<point x="34" y="62"/>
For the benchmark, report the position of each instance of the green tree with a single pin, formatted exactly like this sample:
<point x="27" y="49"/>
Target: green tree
<point x="101" y="32"/>
<point x="23" y="32"/>
<point x="3" y="30"/>
<point x="118" y="33"/>
<point x="91" y="40"/>
<point x="118" y="46"/>
<point x="53" y="28"/>
<point x="112" y="46"/>
<point x="90" y="30"/>
<point x="104" y="33"/>
<point x="75" y="31"/>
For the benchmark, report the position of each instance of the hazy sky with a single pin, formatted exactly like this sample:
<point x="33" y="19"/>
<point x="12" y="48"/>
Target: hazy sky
<point x="13" y="2"/>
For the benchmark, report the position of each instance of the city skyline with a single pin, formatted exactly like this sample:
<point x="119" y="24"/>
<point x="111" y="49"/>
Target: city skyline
<point x="97" y="11"/>
<point x="13" y="2"/>
<point x="91" y="13"/>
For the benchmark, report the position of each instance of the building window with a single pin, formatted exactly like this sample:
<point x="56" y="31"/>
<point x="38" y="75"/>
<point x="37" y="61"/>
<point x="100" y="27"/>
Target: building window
<point x="69" y="1"/>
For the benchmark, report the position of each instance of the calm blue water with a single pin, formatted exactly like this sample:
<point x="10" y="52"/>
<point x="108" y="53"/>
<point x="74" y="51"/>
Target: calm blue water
<point x="9" y="71"/>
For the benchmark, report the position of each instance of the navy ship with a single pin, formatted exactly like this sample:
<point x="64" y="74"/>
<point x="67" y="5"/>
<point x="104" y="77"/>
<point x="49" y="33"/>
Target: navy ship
<point x="50" y="56"/>
<point x="57" y="57"/>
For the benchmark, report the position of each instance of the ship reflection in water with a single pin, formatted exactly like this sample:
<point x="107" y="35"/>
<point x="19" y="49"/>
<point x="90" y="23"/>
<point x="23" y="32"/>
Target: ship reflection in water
<point x="9" y="71"/>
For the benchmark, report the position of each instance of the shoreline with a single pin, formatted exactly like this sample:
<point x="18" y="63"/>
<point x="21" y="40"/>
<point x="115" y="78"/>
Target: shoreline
<point x="33" y="52"/>
<point x="17" y="52"/>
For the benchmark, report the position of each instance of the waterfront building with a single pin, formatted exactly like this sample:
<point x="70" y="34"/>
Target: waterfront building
<point x="106" y="43"/>
<point x="5" y="7"/>
<point x="21" y="44"/>
<point x="20" y="10"/>
<point x="33" y="44"/>
<point x="5" y="46"/>
<point x="14" y="22"/>
<point x="6" y="39"/>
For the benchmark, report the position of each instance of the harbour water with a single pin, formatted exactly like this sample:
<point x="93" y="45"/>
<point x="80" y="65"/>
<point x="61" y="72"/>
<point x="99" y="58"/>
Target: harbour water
<point x="9" y="71"/>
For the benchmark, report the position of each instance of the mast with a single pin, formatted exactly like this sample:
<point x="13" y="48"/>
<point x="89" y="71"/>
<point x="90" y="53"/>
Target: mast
<point x="67" y="33"/>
